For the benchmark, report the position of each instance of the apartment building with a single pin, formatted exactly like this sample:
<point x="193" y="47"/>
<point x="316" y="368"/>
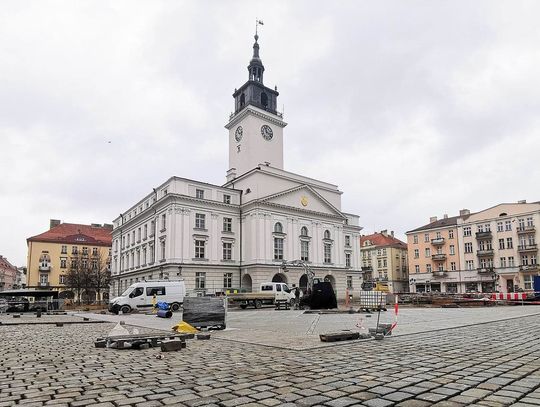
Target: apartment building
<point x="490" y="250"/>
<point x="434" y="263"/>
<point x="8" y="274"/>
<point x="384" y="258"/>
<point x="66" y="245"/>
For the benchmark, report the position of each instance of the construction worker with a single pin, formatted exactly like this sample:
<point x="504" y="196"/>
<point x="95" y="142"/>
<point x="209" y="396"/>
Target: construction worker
<point x="296" y="298"/>
<point x="154" y="303"/>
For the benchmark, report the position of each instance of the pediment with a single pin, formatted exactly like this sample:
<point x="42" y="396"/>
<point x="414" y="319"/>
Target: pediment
<point x="304" y="198"/>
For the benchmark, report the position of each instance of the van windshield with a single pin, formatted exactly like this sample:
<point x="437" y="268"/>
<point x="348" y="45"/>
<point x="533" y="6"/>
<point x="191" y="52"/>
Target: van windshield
<point x="126" y="293"/>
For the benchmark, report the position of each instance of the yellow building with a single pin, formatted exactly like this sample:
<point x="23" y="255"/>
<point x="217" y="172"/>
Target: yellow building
<point x="384" y="259"/>
<point x="66" y="246"/>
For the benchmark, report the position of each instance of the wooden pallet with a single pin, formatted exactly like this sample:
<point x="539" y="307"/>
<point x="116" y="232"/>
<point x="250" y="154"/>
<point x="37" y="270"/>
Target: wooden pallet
<point x="339" y="336"/>
<point x="138" y="341"/>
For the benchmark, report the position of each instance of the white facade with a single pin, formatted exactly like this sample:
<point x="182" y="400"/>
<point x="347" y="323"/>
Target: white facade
<point x="236" y="236"/>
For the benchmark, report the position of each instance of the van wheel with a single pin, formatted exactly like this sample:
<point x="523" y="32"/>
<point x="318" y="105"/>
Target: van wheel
<point x="175" y="306"/>
<point x="243" y="306"/>
<point x="125" y="309"/>
<point x="258" y="304"/>
<point x="306" y="307"/>
<point x="292" y="301"/>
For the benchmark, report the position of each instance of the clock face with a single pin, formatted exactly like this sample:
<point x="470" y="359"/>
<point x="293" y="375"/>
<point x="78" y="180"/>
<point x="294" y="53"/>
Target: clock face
<point x="267" y="132"/>
<point x="238" y="134"/>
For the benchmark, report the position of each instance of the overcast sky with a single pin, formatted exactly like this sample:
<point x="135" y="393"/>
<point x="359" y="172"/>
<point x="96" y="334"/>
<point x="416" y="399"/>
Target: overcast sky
<point x="414" y="108"/>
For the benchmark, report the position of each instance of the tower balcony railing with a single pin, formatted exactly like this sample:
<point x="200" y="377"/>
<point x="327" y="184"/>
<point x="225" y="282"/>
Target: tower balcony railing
<point x="484" y="252"/>
<point x="484" y="235"/>
<point x="526" y="229"/>
<point x="438" y="241"/>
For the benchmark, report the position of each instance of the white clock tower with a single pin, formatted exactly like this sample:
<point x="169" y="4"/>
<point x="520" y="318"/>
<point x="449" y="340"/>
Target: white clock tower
<point x="255" y="127"/>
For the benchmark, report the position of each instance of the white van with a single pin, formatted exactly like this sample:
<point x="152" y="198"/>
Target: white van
<point x="140" y="295"/>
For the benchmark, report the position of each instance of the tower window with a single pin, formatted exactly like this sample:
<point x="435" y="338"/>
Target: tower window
<point x="278" y="228"/>
<point x="242" y="100"/>
<point x="264" y="99"/>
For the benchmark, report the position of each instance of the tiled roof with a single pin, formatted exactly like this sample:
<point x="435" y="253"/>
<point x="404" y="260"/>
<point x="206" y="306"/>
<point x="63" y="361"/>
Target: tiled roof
<point x="73" y="233"/>
<point x="441" y="223"/>
<point x="5" y="264"/>
<point x="378" y="239"/>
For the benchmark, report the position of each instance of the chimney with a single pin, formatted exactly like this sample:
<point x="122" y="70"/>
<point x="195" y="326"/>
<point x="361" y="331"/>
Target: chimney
<point x="464" y="212"/>
<point x="392" y="233"/>
<point x="384" y="232"/>
<point x="231" y="174"/>
<point x="445" y="216"/>
<point x="433" y="219"/>
<point x="54" y="223"/>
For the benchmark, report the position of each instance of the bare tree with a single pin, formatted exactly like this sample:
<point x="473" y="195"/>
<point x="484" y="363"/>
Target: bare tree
<point x="77" y="277"/>
<point x="101" y="273"/>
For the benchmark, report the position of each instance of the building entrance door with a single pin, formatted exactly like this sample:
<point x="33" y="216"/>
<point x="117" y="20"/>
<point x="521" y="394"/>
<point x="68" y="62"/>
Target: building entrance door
<point x="510" y="285"/>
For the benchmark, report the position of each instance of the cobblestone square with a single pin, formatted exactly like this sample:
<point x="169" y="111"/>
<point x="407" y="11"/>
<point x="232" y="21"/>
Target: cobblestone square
<point x="493" y="363"/>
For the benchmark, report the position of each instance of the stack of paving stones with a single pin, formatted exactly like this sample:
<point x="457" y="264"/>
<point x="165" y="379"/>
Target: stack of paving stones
<point x="494" y="364"/>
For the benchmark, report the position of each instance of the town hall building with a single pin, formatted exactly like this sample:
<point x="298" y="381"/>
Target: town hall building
<point x="237" y="235"/>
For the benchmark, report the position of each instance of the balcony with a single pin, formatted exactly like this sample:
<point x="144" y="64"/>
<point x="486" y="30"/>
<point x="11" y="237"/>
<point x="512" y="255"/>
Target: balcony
<point x="485" y="253"/>
<point x="438" y="257"/>
<point x="44" y="266"/>
<point x="44" y="284"/>
<point x="524" y="248"/>
<point x="484" y="270"/>
<point x="437" y="242"/>
<point x="484" y="235"/>
<point x="526" y="229"/>
<point x="530" y="267"/>
<point x="439" y="273"/>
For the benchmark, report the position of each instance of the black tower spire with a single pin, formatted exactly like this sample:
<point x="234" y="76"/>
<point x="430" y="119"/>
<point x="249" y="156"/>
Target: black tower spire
<point x="253" y="92"/>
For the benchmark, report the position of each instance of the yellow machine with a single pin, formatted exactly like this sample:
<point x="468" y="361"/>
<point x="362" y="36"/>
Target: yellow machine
<point x="382" y="287"/>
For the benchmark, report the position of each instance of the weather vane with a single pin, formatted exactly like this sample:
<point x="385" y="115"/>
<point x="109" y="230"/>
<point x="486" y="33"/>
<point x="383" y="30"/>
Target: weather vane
<point x="257" y="23"/>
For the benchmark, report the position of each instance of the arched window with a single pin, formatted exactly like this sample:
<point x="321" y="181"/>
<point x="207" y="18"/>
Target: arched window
<point x="327" y="234"/>
<point x="303" y="231"/>
<point x="264" y="99"/>
<point x="278" y="228"/>
<point x="242" y="100"/>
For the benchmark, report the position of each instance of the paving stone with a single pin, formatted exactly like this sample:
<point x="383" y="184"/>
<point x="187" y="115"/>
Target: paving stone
<point x="341" y="402"/>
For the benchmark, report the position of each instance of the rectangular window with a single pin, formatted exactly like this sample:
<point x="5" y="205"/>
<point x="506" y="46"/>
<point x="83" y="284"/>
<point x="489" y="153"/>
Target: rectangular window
<point x="85" y="251"/>
<point x="278" y="248"/>
<point x="509" y="244"/>
<point x="138" y="235"/>
<point x="199" y="193"/>
<point x="533" y="259"/>
<point x="163" y="222"/>
<point x="530" y="222"/>
<point x="200" y="221"/>
<point x="145" y="232"/>
<point x="227" y="224"/>
<point x="227" y="251"/>
<point x="44" y="279"/>
<point x="428" y="252"/>
<point x="416" y="253"/>
<point x="144" y="256"/>
<point x="74" y="250"/>
<point x="152" y="254"/>
<point x="152" y="228"/>
<point x="304" y="250"/>
<point x="467" y="231"/>
<point x="63" y="262"/>
<point x="347" y="240"/>
<point x="453" y="266"/>
<point x="347" y="260"/>
<point x="349" y="282"/>
<point x="438" y="235"/>
<point x="64" y="250"/>
<point x="151" y="291"/>
<point x="501" y="244"/>
<point x="468" y="247"/>
<point x="227" y="199"/>
<point x="162" y="243"/>
<point x="199" y="249"/>
<point x="200" y="280"/>
<point x="452" y="249"/>
<point x="327" y="253"/>
<point x="84" y="264"/>
<point x="227" y="280"/>
<point x="469" y="264"/>
<point x="415" y="239"/>
<point x="528" y="282"/>
<point x="502" y="261"/>
<point x="94" y="264"/>
<point x="511" y="261"/>
<point x="62" y="279"/>
<point x="507" y="225"/>
<point x="480" y="228"/>
<point x="500" y="227"/>
<point x="521" y="224"/>
<point x="428" y="268"/>
<point x="450" y="234"/>
<point x="426" y="237"/>
<point x="417" y="268"/>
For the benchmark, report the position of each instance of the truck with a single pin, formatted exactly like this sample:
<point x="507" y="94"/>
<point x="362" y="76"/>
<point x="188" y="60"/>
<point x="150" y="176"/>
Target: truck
<point x="268" y="294"/>
<point x="141" y="295"/>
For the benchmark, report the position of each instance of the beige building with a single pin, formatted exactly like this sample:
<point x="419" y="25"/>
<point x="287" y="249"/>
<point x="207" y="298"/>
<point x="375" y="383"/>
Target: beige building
<point x="52" y="253"/>
<point x="384" y="258"/>
<point x="491" y="250"/>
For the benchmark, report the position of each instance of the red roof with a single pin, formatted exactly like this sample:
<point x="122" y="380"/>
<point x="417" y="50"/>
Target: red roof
<point x="5" y="264"/>
<point x="73" y="233"/>
<point x="379" y="239"/>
